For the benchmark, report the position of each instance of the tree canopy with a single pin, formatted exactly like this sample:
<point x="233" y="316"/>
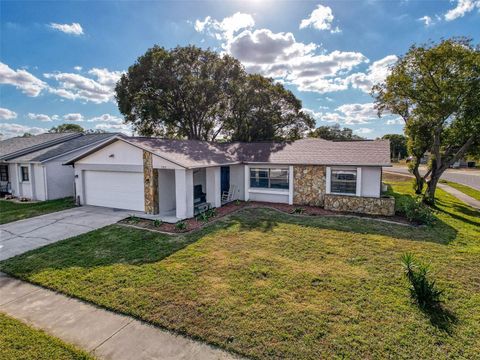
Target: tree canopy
<point x="64" y="128"/>
<point x="435" y="88"/>
<point x="334" y="132"/>
<point x="398" y="145"/>
<point x="188" y="92"/>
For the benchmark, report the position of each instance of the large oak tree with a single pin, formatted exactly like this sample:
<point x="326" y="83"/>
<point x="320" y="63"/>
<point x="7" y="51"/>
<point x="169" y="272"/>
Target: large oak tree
<point x="188" y="92"/>
<point x="435" y="88"/>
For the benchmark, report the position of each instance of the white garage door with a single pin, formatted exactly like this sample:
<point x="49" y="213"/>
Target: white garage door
<point x="114" y="189"/>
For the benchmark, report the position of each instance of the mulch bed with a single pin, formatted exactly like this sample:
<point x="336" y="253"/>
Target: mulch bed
<point x="194" y="223"/>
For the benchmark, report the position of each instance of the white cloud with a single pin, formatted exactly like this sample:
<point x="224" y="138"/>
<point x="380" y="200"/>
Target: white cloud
<point x="77" y="68"/>
<point x="348" y="114"/>
<point x="226" y="28"/>
<point x="72" y="29"/>
<point x="321" y="19"/>
<point x="397" y="121"/>
<point x="75" y="86"/>
<point x="10" y="130"/>
<point x="107" y="119"/>
<point x="21" y="79"/>
<point x="6" y="114"/>
<point x="363" y="131"/>
<point x="280" y="56"/>
<point x="427" y="20"/>
<point x="42" y="117"/>
<point x="73" y="117"/>
<point x="463" y="7"/>
<point x="126" y="129"/>
<point x="376" y="73"/>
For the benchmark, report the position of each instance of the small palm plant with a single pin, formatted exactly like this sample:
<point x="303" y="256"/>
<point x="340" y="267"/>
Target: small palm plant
<point x="157" y="223"/>
<point x="422" y="290"/>
<point x="181" y="225"/>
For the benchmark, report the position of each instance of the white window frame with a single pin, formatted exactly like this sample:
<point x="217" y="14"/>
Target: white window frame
<point x="28" y="173"/>
<point x="358" y="185"/>
<point x="269" y="188"/>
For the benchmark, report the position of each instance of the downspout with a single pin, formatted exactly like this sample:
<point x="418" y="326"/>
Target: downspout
<point x="45" y="181"/>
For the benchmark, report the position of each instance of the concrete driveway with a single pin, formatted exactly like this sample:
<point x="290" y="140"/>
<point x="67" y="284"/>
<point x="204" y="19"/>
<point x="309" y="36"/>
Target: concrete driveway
<point x="24" y="235"/>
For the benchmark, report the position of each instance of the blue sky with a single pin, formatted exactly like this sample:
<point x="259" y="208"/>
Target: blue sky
<point x="60" y="60"/>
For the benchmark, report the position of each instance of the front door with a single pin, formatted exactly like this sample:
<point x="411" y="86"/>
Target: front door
<point x="225" y="178"/>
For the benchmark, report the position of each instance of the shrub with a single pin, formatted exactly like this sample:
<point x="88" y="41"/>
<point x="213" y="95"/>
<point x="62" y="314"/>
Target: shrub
<point x="133" y="219"/>
<point x="157" y="223"/>
<point x="416" y="210"/>
<point x="238" y="202"/>
<point x="207" y="215"/>
<point x="298" y="210"/>
<point x="181" y="225"/>
<point x="422" y="290"/>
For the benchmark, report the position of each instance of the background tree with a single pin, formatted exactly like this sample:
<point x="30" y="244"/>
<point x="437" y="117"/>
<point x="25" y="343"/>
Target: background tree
<point x="398" y="145"/>
<point x="27" y="134"/>
<point x="192" y="93"/>
<point x="64" y="128"/>
<point x="334" y="132"/>
<point x="435" y="88"/>
<point x="261" y="109"/>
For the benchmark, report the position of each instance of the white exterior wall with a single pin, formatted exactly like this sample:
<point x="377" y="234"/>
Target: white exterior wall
<point x="117" y="153"/>
<point x="237" y="178"/>
<point x="38" y="184"/>
<point x="267" y="195"/>
<point x="166" y="191"/>
<point x="13" y="179"/>
<point x="371" y="181"/>
<point x="60" y="180"/>
<point x="213" y="186"/>
<point x="184" y="193"/>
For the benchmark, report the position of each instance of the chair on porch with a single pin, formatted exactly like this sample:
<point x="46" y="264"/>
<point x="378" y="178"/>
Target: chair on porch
<point x="229" y="195"/>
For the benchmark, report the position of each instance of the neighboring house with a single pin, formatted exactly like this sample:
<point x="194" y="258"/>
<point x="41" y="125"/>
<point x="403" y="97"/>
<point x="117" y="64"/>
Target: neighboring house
<point x="176" y="178"/>
<point x="31" y="167"/>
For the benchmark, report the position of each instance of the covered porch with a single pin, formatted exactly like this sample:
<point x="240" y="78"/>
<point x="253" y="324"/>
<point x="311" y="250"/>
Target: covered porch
<point x="173" y="193"/>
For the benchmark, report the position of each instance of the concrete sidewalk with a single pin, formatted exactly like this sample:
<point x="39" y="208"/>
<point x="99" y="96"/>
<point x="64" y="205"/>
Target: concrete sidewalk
<point x="104" y="334"/>
<point x="461" y="196"/>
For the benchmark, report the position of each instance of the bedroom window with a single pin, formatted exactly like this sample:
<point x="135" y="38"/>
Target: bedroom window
<point x="343" y="182"/>
<point x="269" y="178"/>
<point x="24" y="173"/>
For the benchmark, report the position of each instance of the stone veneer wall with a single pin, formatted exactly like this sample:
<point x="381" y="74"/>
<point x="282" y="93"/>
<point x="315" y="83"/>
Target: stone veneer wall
<point x="364" y="205"/>
<point x="150" y="181"/>
<point x="309" y="185"/>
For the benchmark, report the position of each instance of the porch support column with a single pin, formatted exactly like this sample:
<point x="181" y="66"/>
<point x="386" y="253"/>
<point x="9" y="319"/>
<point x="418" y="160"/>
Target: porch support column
<point x="184" y="193"/>
<point x="214" y="196"/>
<point x="150" y="182"/>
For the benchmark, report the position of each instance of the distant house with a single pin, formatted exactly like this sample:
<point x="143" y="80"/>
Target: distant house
<point x="31" y="167"/>
<point x="175" y="179"/>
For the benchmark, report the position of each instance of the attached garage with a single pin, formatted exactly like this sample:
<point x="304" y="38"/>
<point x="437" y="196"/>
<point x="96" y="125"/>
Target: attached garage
<point x="114" y="189"/>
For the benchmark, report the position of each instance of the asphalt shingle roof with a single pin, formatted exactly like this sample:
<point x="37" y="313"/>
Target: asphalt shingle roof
<point x="20" y="144"/>
<point x="64" y="147"/>
<point x="192" y="153"/>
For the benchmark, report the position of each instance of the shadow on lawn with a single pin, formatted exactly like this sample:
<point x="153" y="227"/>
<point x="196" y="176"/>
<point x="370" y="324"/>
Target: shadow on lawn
<point x="265" y="220"/>
<point x="441" y="317"/>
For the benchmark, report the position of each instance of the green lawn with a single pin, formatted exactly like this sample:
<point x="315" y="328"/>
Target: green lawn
<point x="19" y="341"/>
<point x="474" y="193"/>
<point x="13" y="211"/>
<point x="271" y="285"/>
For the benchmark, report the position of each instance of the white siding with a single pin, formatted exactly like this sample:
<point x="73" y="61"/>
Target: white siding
<point x="38" y="183"/>
<point x="117" y="153"/>
<point x="371" y="181"/>
<point x="166" y="190"/>
<point x="237" y="178"/>
<point x="265" y="195"/>
<point x="115" y="189"/>
<point x="60" y="181"/>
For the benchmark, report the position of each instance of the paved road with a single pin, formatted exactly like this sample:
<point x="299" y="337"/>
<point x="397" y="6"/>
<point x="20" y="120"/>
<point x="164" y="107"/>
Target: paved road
<point x="466" y="177"/>
<point x="20" y="236"/>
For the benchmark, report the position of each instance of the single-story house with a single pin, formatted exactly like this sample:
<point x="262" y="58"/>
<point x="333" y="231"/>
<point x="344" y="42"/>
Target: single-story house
<point x="32" y="167"/>
<point x="175" y="179"/>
